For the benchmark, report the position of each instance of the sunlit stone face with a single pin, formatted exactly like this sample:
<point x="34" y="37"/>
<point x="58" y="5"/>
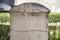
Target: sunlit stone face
<point x="52" y="1"/>
<point x="17" y="2"/>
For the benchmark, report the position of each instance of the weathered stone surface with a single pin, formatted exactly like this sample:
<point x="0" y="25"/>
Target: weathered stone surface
<point x="30" y="7"/>
<point x="28" y="21"/>
<point x="38" y="35"/>
<point x="19" y="35"/>
<point x="29" y="35"/>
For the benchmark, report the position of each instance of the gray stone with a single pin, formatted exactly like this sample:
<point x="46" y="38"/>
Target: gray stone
<point x="29" y="22"/>
<point x="38" y="35"/>
<point x="15" y="35"/>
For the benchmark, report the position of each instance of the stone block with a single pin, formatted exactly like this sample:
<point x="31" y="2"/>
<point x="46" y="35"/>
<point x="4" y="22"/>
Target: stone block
<point x="26" y="22"/>
<point x="38" y="35"/>
<point x="19" y="35"/>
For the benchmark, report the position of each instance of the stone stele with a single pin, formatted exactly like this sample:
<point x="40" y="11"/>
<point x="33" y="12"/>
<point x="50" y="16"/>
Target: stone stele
<point x="29" y="21"/>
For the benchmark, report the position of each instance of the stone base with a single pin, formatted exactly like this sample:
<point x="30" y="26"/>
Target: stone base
<point x="29" y="35"/>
